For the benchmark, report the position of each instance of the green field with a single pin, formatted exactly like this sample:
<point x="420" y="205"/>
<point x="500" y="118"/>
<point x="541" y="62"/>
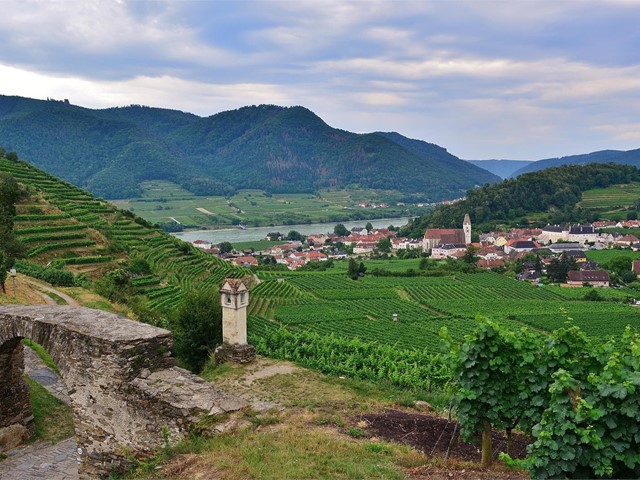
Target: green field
<point x="616" y="196"/>
<point x="605" y="256"/>
<point x="164" y="202"/>
<point x="330" y="303"/>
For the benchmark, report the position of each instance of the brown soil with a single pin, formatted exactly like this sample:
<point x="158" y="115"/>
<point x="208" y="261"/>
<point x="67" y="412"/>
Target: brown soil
<point x="432" y="435"/>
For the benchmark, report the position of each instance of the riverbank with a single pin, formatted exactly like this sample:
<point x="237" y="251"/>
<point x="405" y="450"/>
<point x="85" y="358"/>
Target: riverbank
<point x="235" y="235"/>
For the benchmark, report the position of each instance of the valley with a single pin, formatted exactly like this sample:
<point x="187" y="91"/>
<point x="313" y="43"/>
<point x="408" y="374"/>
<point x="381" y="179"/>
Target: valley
<point x="386" y="327"/>
<point x="175" y="209"/>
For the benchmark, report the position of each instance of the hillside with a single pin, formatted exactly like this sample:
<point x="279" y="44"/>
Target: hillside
<point x="65" y="229"/>
<point x="501" y="168"/>
<point x="286" y="150"/>
<point x="551" y="195"/>
<point x="630" y="157"/>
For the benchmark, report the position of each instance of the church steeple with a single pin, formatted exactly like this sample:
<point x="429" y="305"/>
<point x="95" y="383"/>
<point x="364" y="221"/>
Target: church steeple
<point x="466" y="227"/>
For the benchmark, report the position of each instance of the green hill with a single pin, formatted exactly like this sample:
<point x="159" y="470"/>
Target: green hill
<point x="285" y="150"/>
<point x="630" y="157"/>
<point x="65" y="229"/>
<point x="549" y="195"/>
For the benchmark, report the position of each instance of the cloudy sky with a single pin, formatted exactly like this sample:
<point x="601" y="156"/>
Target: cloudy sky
<point x="485" y="79"/>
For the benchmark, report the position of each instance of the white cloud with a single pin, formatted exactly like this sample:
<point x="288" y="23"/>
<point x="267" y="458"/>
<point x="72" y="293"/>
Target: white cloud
<point x="165" y="91"/>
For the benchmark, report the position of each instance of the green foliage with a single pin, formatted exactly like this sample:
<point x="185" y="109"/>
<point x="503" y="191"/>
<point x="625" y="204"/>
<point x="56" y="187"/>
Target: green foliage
<point x="225" y="247"/>
<point x="384" y="245"/>
<point x="554" y="192"/>
<point x="197" y="327"/>
<point x="216" y="155"/>
<point x="419" y="369"/>
<point x="55" y="276"/>
<point x="590" y="428"/>
<point x="340" y="230"/>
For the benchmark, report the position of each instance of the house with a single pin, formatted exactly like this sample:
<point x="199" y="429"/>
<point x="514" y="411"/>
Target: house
<point x="553" y="233"/>
<point x="603" y="224"/>
<point x="520" y="246"/>
<point x="578" y="255"/>
<point x="595" y="278"/>
<point x="566" y="247"/>
<point x="315" y="256"/>
<point x="530" y="276"/>
<point x="627" y="240"/>
<point x="488" y="264"/>
<point x="582" y="234"/>
<point x="203" y="244"/>
<point x="449" y="250"/>
<point x="589" y="265"/>
<point x="403" y="243"/>
<point x="245" y="261"/>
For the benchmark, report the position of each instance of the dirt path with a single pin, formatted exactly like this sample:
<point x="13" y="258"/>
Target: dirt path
<point x="47" y="288"/>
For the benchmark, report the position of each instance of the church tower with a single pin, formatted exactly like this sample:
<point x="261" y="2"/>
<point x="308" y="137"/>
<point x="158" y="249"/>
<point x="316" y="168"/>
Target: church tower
<point x="466" y="228"/>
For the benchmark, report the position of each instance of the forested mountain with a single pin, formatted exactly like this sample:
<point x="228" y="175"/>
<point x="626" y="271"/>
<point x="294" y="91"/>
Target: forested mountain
<point x="502" y="168"/>
<point x="630" y="157"/>
<point x="553" y="193"/>
<point x="277" y="149"/>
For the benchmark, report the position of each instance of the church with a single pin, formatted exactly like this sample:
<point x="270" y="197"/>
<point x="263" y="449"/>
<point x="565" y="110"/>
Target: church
<point x="441" y="236"/>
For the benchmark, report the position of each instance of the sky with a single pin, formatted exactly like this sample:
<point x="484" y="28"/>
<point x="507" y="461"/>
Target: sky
<point x="513" y="79"/>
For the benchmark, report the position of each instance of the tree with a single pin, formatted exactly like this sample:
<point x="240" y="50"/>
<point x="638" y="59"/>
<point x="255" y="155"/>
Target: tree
<point x="225" y="247"/>
<point x="197" y="328"/>
<point x="470" y="255"/>
<point x="12" y="156"/>
<point x="361" y="269"/>
<point x="352" y="269"/>
<point x="558" y="269"/>
<point x="294" y="236"/>
<point x="369" y="226"/>
<point x="3" y="271"/>
<point x="340" y="230"/>
<point x="384" y="245"/>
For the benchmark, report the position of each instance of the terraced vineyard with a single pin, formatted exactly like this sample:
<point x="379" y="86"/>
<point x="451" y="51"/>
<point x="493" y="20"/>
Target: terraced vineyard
<point x="64" y="226"/>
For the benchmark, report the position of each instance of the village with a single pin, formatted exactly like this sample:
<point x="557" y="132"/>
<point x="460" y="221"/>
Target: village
<point x="534" y="248"/>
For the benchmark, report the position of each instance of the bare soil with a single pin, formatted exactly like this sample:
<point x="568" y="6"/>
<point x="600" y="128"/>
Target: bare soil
<point x="432" y="435"/>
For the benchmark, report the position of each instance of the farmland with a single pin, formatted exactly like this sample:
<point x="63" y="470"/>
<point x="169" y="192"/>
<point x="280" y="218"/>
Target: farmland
<point x="164" y="202"/>
<point x="61" y="225"/>
<point x="330" y="303"/>
<point x="615" y="196"/>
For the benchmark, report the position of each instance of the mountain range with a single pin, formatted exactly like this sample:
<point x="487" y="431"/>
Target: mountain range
<point x="514" y="168"/>
<point x="110" y="152"/>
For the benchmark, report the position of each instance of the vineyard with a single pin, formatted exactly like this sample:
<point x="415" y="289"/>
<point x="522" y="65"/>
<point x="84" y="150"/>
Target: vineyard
<point x="66" y="232"/>
<point x="409" y="312"/>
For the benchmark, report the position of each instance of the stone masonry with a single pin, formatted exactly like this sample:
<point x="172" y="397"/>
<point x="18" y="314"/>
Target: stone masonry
<point x="124" y="388"/>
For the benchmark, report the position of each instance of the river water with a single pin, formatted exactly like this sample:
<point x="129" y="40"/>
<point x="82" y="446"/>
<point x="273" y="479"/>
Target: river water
<point x="235" y="235"/>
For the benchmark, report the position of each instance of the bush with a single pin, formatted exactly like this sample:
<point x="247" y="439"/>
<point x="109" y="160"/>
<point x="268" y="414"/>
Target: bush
<point x="197" y="328"/>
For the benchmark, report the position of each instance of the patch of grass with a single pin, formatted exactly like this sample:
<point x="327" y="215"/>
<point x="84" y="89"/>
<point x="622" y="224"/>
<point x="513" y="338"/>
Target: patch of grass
<point x="212" y="372"/>
<point x="293" y="451"/>
<point x="43" y="354"/>
<point x="263" y="419"/>
<point x="53" y="418"/>
<point x="356" y="432"/>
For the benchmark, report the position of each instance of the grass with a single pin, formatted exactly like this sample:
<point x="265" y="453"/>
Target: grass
<point x="295" y="449"/>
<point x="605" y="256"/>
<point x="53" y="418"/>
<point x="43" y="354"/>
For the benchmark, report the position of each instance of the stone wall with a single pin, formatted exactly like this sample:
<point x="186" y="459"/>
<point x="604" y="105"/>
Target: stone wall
<point x="124" y="387"/>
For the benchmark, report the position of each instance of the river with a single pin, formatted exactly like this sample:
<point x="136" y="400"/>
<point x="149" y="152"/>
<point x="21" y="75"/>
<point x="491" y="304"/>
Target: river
<point x="235" y="235"/>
